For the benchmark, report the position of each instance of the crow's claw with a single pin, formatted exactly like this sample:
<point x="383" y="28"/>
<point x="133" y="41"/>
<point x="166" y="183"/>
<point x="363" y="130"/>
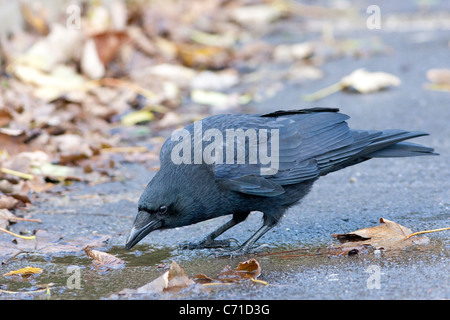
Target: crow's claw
<point x="208" y="243"/>
<point x="238" y="251"/>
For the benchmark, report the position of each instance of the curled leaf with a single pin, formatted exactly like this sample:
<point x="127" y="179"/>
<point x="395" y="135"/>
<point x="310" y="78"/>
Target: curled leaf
<point x="104" y="259"/>
<point x="246" y="270"/>
<point x="172" y="280"/>
<point x="24" y="272"/>
<point x="364" y="81"/>
<point x="249" y="269"/>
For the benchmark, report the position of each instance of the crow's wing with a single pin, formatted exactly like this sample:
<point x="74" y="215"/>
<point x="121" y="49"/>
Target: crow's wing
<point x="303" y="136"/>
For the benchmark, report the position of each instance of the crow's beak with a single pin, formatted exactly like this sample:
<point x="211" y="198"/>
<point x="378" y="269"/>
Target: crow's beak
<point x="143" y="225"/>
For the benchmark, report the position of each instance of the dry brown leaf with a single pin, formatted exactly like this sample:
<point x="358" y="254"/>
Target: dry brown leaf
<point x="12" y="144"/>
<point x="249" y="269"/>
<point x="5" y="216"/>
<point x="37" y="20"/>
<point x="103" y="259"/>
<point x="388" y="235"/>
<point x="203" y="57"/>
<point x="439" y="78"/>
<point x="8" y="202"/>
<point x="172" y="280"/>
<point x="108" y="43"/>
<point x="202" y="279"/>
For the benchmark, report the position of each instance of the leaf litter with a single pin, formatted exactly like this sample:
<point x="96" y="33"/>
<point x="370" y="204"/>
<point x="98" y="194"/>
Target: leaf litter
<point x="176" y="279"/>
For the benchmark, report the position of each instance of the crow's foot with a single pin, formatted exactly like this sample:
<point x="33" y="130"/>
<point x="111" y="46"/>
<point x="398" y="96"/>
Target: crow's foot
<point x="239" y="251"/>
<point x="209" y="243"/>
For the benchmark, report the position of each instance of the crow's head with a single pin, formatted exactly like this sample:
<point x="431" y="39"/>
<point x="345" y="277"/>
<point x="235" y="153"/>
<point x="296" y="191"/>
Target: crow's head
<point x="175" y="197"/>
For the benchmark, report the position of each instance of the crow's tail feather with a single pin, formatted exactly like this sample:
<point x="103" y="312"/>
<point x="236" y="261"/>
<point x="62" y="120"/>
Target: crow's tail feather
<point x="372" y="144"/>
<point x="389" y="144"/>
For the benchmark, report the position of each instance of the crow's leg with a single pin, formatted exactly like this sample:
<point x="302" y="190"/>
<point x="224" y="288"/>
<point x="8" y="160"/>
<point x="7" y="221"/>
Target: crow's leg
<point x="210" y="242"/>
<point x="248" y="245"/>
<point x="270" y="220"/>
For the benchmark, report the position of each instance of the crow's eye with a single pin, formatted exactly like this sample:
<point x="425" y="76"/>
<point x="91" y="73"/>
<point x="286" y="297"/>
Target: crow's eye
<point x="162" y="209"/>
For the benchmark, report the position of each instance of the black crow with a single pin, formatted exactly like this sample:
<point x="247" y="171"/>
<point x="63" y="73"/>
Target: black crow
<point x="238" y="163"/>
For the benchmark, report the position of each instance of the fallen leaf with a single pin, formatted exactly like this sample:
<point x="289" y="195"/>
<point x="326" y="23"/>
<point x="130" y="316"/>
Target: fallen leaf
<point x="50" y="86"/>
<point x="57" y="48"/>
<point x="104" y="259"/>
<point x="172" y="280"/>
<point x="13" y="144"/>
<point x="5" y="216"/>
<point x="439" y="78"/>
<point x="388" y="235"/>
<point x="135" y="117"/>
<point x="220" y="80"/>
<point x="257" y="15"/>
<point x="219" y="99"/>
<point x="365" y="82"/>
<point x="202" y="279"/>
<point x="360" y="80"/>
<point x="8" y="202"/>
<point x="108" y="43"/>
<point x="35" y="19"/>
<point x="249" y="269"/>
<point x="91" y="64"/>
<point x="292" y="52"/>
<point x="203" y="57"/>
<point x="56" y="172"/>
<point x="24" y="272"/>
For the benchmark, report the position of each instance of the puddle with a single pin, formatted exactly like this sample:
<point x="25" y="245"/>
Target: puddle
<point x="305" y="277"/>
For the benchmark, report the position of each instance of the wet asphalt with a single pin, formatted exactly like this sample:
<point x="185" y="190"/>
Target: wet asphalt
<point x="415" y="192"/>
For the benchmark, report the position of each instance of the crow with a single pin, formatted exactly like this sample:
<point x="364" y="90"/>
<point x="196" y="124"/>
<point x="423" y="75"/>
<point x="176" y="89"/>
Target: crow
<point x="234" y="164"/>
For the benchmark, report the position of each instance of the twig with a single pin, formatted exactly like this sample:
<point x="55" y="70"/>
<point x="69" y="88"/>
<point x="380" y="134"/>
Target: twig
<point x="216" y="284"/>
<point x="25" y="219"/>
<point x="427" y="231"/>
<point x="323" y="92"/>
<point x="112" y="82"/>
<point x="124" y="149"/>
<point x="260" y="281"/>
<point x="18" y="235"/>
<point x="17" y="173"/>
<point x="281" y="252"/>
